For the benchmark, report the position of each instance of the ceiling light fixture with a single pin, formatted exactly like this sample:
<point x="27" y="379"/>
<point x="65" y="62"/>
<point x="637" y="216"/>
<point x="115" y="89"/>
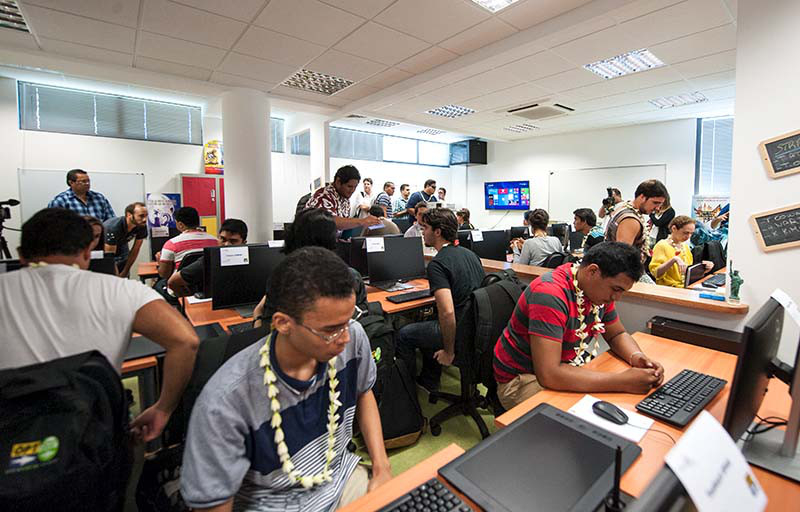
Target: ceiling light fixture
<point x="356" y="116"/>
<point x="450" y="111"/>
<point x="679" y="100"/>
<point x="382" y="123"/>
<point x="11" y="16"/>
<point x="625" y="64"/>
<point x="430" y="131"/>
<point x="494" y="5"/>
<point x="313" y="81"/>
<point x="521" y="128"/>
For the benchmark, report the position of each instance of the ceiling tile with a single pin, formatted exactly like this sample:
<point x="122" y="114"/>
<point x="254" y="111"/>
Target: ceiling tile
<point x="432" y="21"/>
<point x="257" y="69"/>
<point x="536" y="66"/>
<point x="508" y="98"/>
<point x="18" y="38"/>
<point x="571" y="79"/>
<point x="677" y="21"/>
<point x="696" y="45"/>
<point x="366" y="9"/>
<point x="532" y="12"/>
<point x="291" y="92"/>
<point x="242" y="10"/>
<point x="75" y="29"/>
<point x="172" y="68"/>
<point x="190" y="24"/>
<point x="426" y="60"/>
<point x="597" y="46"/>
<point x="343" y="65"/>
<point x="720" y="93"/>
<point x="713" y="80"/>
<point x="120" y="12"/>
<point x="724" y="61"/>
<point x="86" y="52"/>
<point x="356" y="92"/>
<point x="480" y="35"/>
<point x="381" y="44"/>
<point x="177" y="50"/>
<point x="576" y="31"/>
<point x="643" y="80"/>
<point x="267" y="44"/>
<point x="238" y="81"/>
<point x="386" y="78"/>
<point x="308" y="19"/>
<point x="640" y="8"/>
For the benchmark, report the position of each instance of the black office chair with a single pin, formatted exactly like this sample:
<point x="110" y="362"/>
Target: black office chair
<point x="554" y="260"/>
<point x="185" y="262"/>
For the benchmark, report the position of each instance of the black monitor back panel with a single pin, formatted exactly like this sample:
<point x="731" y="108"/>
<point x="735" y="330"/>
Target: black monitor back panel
<point x="358" y="255"/>
<point x="493" y="247"/>
<point x="242" y="285"/>
<point x="465" y="239"/>
<point x="402" y="258"/>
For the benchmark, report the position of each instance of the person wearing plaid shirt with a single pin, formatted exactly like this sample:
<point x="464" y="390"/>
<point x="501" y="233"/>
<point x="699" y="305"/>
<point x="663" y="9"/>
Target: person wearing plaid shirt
<point x="335" y="198"/>
<point x="81" y="200"/>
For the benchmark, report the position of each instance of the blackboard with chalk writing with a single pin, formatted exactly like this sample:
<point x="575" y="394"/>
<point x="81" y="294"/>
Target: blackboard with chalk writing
<point x="777" y="229"/>
<point x="781" y="154"/>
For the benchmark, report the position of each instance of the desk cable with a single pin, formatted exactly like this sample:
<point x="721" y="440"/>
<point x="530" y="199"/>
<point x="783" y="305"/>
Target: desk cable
<point x="651" y="429"/>
<point x="765" y="425"/>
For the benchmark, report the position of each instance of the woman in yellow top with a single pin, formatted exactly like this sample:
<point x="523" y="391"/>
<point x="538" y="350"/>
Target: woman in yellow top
<point x="672" y="255"/>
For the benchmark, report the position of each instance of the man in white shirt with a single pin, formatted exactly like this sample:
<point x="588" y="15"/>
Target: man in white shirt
<point x="361" y="201"/>
<point x="55" y="308"/>
<point x="416" y="228"/>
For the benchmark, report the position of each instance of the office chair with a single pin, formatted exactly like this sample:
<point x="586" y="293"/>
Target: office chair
<point x="185" y="262"/>
<point x="554" y="260"/>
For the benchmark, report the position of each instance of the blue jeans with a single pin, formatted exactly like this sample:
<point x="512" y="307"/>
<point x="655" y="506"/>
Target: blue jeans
<point x="427" y="337"/>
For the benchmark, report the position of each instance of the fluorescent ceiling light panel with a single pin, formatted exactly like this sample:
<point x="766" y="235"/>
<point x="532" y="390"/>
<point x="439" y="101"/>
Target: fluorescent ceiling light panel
<point x="625" y="64"/>
<point x="451" y="111"/>
<point x="679" y="100"/>
<point x="430" y="131"/>
<point x="382" y="122"/>
<point x="495" y="5"/>
<point x="313" y="81"/>
<point x="11" y="17"/>
<point x="521" y="128"/>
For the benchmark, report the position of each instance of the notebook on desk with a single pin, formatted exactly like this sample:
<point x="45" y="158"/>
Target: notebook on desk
<point x="693" y="274"/>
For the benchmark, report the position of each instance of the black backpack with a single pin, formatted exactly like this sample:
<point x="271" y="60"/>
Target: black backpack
<point x="395" y="390"/>
<point x="64" y="443"/>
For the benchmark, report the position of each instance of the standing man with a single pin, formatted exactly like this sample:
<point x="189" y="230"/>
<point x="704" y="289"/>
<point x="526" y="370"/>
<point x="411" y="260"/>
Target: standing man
<point x="192" y="239"/>
<point x="400" y="204"/>
<point x="585" y="222"/>
<point x="453" y="274"/>
<point x="363" y="200"/>
<point x="629" y="219"/>
<point x="335" y="198"/>
<point x="442" y="193"/>
<point x="384" y="199"/>
<point x="121" y="230"/>
<point x="80" y="199"/>
<point x="426" y="194"/>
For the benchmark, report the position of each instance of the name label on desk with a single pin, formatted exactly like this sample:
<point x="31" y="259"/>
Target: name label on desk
<point x="232" y="256"/>
<point x="275" y="243"/>
<point x="713" y="471"/>
<point x="477" y="236"/>
<point x="375" y="244"/>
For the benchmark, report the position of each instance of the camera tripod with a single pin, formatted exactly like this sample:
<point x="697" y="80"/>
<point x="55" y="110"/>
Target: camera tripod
<point x="4" y="252"/>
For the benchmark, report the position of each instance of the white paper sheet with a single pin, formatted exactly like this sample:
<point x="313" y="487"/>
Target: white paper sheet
<point x="634" y="430"/>
<point x="789" y="305"/>
<point x="713" y="471"/>
<point x="159" y="231"/>
<point x="477" y="236"/>
<point x="96" y="255"/>
<point x="275" y="243"/>
<point x="232" y="256"/>
<point x="375" y="244"/>
<point x="191" y="299"/>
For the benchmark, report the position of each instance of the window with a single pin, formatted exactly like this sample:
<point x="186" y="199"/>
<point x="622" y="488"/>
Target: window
<point x="276" y="134"/>
<point x="358" y="145"/>
<point x="56" y="109"/>
<point x="714" y="156"/>
<point x="396" y="149"/>
<point x="434" y="153"/>
<point x="301" y="143"/>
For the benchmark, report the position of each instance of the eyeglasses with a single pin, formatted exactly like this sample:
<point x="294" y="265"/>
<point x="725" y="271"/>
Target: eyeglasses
<point x="335" y="335"/>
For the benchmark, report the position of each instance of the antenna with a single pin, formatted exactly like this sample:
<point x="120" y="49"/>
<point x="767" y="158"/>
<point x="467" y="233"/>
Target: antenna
<point x="612" y="501"/>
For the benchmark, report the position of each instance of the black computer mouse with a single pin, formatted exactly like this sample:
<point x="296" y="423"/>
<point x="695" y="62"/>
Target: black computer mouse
<point x="610" y="412"/>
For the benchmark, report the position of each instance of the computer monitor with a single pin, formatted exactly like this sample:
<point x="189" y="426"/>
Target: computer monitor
<point x="234" y="285"/>
<point x="104" y="265"/>
<point x="401" y="259"/>
<point x="465" y="239"/>
<point x="343" y="250"/>
<point x="576" y="240"/>
<point x="519" y="232"/>
<point x="494" y="245"/>
<point x="403" y="223"/>
<point x="358" y="255"/>
<point x="560" y="231"/>
<point x="693" y="274"/>
<point x="10" y="265"/>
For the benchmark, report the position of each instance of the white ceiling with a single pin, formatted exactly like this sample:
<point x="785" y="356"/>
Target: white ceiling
<point x="407" y="56"/>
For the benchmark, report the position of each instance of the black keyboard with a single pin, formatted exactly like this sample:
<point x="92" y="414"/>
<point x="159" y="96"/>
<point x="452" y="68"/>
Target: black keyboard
<point x="716" y="280"/>
<point x="407" y="297"/>
<point x="682" y="398"/>
<point x="432" y="496"/>
<point x="242" y="327"/>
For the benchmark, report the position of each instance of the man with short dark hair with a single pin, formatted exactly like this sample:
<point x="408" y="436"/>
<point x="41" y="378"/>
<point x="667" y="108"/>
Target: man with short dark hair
<point x="553" y="330"/>
<point x="389" y="227"/>
<point x="335" y="198"/>
<point x="80" y="199"/>
<point x="54" y="308"/>
<point x="585" y="222"/>
<point x="271" y="428"/>
<point x="384" y="199"/>
<point x="442" y="193"/>
<point x="630" y="218"/>
<point x="189" y="279"/>
<point x="362" y="200"/>
<point x="416" y="228"/>
<point x="400" y="209"/>
<point x="425" y="195"/>
<point x="453" y="274"/>
<point x="191" y="240"/>
<point x="119" y="231"/>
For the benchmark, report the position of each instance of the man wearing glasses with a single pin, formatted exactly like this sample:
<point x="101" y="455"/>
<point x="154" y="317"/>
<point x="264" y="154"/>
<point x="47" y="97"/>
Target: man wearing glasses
<point x="270" y="429"/>
<point x="80" y="199"/>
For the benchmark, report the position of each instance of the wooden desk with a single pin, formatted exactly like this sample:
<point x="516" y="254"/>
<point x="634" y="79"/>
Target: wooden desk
<point x="147" y="270"/>
<point x="202" y="314"/>
<point x="377" y="295"/>
<point x="674" y="356"/>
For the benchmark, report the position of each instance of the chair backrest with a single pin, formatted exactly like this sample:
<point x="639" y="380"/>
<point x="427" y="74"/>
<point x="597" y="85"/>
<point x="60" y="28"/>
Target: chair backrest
<point x="554" y="260"/>
<point x="713" y="252"/>
<point x="191" y="258"/>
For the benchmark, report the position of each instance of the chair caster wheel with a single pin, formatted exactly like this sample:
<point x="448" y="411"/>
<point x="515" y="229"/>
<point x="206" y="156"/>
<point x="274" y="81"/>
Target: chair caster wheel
<point x="436" y="429"/>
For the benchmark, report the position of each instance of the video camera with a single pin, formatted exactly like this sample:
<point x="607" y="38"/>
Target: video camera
<point x="608" y="201"/>
<point x="5" y="211"/>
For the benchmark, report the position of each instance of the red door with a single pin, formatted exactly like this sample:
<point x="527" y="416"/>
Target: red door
<point x="200" y="193"/>
<point x="222" y="200"/>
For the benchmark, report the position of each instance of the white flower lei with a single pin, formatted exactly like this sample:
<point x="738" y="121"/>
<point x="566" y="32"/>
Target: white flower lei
<point x="581" y="357"/>
<point x="628" y="204"/>
<point x="283" y="451"/>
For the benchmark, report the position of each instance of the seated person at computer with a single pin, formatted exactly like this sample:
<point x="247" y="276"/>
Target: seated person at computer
<point x="462" y="216"/>
<point x="119" y="231"/>
<point x="585" y="222"/>
<point x="672" y="255"/>
<point x="270" y="429"/>
<point x="453" y="274"/>
<point x="335" y="198"/>
<point x="416" y="229"/>
<point x="553" y="330"/>
<point x="191" y="240"/>
<point x="311" y="228"/>
<point x="54" y="308"/>
<point x="535" y="250"/>
<point x="189" y="280"/>
<point x="389" y="227"/>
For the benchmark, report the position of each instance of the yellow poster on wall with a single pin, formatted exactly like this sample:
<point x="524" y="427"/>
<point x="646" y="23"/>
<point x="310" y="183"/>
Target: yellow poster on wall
<point x="212" y="157"/>
<point x="210" y="223"/>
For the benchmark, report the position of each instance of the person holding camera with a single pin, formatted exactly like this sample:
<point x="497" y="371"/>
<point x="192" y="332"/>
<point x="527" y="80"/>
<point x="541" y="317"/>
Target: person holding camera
<point x="613" y="198"/>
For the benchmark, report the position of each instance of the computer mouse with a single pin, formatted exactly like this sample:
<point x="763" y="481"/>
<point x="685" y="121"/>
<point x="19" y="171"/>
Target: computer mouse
<point x="610" y="412"/>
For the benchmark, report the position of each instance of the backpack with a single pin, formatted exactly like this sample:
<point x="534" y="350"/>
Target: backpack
<point x="395" y="390"/>
<point x="65" y="443"/>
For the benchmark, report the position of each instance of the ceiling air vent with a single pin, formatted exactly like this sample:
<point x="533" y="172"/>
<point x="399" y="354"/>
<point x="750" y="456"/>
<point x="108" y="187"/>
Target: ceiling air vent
<point x="539" y="111"/>
<point x="356" y="116"/>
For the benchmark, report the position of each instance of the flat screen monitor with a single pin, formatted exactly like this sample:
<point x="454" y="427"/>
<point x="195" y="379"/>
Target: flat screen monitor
<point x="494" y="245"/>
<point x="358" y="255"/>
<point x="519" y="232"/>
<point x="235" y="284"/>
<point x="576" y="240"/>
<point x="104" y="265"/>
<point x="402" y="223"/>
<point x="465" y="239"/>
<point x="401" y="259"/>
<point x="508" y="195"/>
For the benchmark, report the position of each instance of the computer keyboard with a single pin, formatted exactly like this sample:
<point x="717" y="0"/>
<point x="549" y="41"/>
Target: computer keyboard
<point x="682" y="397"/>
<point x="242" y="327"/>
<point x="407" y="297"/>
<point x="716" y="280"/>
<point x="432" y="496"/>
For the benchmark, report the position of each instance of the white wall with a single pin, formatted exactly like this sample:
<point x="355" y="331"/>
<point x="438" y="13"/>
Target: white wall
<point x="299" y="122"/>
<point x="764" y="108"/>
<point x="671" y="143"/>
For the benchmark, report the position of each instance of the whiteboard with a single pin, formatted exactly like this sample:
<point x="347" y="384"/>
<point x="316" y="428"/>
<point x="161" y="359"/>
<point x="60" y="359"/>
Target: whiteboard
<point x="571" y="189"/>
<point x="39" y="187"/>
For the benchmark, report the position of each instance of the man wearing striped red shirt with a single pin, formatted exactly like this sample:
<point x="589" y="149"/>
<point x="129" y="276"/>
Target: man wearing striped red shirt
<point x="192" y="239"/>
<point x="541" y="345"/>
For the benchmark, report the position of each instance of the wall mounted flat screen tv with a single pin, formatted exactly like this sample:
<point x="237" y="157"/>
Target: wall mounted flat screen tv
<point x="508" y="195"/>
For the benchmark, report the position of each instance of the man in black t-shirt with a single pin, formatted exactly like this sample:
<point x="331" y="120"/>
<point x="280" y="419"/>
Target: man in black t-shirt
<point x="120" y="231"/>
<point x="453" y="275"/>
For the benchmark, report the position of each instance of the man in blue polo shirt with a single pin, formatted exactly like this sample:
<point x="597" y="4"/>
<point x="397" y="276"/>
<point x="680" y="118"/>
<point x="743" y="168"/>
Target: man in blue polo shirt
<point x="427" y="194"/>
<point x="80" y="199"/>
